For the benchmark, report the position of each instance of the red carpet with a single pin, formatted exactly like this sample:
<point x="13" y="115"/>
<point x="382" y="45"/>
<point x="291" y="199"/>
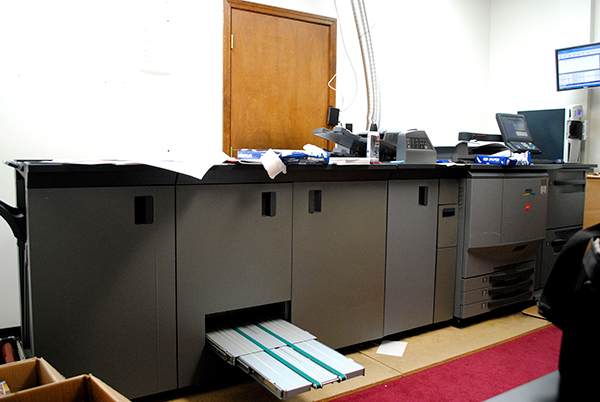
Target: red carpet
<point x="476" y="377"/>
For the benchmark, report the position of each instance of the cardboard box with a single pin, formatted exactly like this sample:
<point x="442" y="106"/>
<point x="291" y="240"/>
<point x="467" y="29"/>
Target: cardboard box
<point x="29" y="373"/>
<point x="591" y="213"/>
<point x="83" y="388"/>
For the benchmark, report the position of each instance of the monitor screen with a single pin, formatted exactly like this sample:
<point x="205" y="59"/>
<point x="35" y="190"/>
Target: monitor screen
<point x="513" y="127"/>
<point x="547" y="129"/>
<point x="578" y="67"/>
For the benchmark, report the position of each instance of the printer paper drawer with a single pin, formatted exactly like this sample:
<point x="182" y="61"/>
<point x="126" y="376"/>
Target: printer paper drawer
<point x="516" y="273"/>
<point x="282" y="357"/>
<point x="473" y="309"/>
<point x="496" y="292"/>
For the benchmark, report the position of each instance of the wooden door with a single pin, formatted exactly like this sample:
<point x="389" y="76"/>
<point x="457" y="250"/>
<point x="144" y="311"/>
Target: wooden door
<point x="277" y="65"/>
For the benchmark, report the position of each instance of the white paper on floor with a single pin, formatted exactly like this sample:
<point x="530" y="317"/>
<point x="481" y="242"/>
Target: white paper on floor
<point x="392" y="348"/>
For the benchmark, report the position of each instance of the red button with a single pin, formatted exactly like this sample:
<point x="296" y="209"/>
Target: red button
<point x="527" y="206"/>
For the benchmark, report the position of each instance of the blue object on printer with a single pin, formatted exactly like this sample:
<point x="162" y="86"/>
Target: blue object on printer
<point x="250" y="154"/>
<point x="501" y="160"/>
<point x="289" y="157"/>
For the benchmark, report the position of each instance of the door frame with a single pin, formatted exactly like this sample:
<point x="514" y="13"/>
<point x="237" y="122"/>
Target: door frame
<point x="228" y="5"/>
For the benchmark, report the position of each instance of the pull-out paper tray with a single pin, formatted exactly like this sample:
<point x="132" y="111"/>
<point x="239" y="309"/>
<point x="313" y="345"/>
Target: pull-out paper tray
<point x="284" y="358"/>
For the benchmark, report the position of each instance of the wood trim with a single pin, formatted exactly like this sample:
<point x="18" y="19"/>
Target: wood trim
<point x="228" y="5"/>
<point x="280" y="12"/>
<point x="226" y="78"/>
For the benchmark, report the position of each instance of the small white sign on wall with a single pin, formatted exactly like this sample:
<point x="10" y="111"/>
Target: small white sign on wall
<point x="156" y="47"/>
<point x="157" y="37"/>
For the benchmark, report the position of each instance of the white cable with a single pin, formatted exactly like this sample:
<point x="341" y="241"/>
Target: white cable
<point x="349" y="61"/>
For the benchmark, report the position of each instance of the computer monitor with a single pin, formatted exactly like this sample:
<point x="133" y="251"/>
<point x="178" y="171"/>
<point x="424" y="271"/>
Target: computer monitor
<point x="515" y="133"/>
<point x="578" y="67"/>
<point x="547" y="129"/>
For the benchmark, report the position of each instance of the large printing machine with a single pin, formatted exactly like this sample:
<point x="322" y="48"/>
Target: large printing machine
<point x="131" y="272"/>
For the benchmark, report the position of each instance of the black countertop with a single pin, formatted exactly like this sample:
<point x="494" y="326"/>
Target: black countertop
<point x="38" y="174"/>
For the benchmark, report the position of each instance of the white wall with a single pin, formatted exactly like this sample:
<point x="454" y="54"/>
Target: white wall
<point x="592" y="148"/>
<point x="72" y="85"/>
<point x="432" y="65"/>
<point x="524" y="36"/>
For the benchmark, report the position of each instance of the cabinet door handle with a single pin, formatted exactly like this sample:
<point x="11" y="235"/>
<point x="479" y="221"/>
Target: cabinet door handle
<point x="558" y="243"/>
<point x="314" y="201"/>
<point x="143" y="210"/>
<point x="423" y="195"/>
<point x="568" y="182"/>
<point x="448" y="212"/>
<point x="269" y="203"/>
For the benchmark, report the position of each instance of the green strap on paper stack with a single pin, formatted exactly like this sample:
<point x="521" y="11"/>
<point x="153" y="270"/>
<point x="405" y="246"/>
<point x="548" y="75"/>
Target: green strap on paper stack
<point x="298" y="371"/>
<point x="303" y="353"/>
<point x="314" y="382"/>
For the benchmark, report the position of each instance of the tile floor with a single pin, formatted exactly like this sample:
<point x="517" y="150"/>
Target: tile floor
<point x="425" y="348"/>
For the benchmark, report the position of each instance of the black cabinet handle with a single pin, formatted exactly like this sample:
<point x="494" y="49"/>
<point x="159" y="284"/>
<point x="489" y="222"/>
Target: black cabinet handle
<point x="558" y="243"/>
<point x="269" y="203"/>
<point x="569" y="182"/>
<point x="448" y="212"/>
<point x="315" y="198"/>
<point x="143" y="210"/>
<point x="510" y="290"/>
<point x="512" y="276"/>
<point x="423" y="195"/>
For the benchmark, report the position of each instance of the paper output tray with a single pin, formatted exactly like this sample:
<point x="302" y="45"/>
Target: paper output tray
<point x="284" y="358"/>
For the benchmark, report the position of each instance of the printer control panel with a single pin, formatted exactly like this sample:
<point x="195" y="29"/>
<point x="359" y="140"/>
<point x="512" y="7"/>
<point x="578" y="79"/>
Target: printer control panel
<point x="523" y="147"/>
<point x="418" y="143"/>
<point x="414" y="146"/>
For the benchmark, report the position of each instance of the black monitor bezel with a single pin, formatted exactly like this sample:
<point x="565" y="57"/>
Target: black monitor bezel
<point x="504" y="131"/>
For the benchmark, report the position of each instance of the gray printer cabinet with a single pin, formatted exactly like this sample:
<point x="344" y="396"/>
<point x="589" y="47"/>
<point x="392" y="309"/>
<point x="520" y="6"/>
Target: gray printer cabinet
<point x="447" y="242"/>
<point x="411" y="254"/>
<point x="339" y="260"/>
<point x="502" y="226"/>
<point x="101" y="286"/>
<point x="566" y="201"/>
<point x="233" y="252"/>
<point x="230" y="257"/>
<point x="352" y="253"/>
